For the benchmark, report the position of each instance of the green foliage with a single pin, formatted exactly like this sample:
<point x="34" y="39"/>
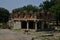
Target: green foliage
<point x="28" y="8"/>
<point x="52" y="6"/>
<point x="4" y="15"/>
<point x="46" y="5"/>
<point x="4" y="26"/>
<point x="56" y="9"/>
<point x="33" y="8"/>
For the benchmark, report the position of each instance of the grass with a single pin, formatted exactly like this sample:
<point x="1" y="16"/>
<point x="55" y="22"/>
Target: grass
<point x="58" y="27"/>
<point x="4" y="26"/>
<point x="16" y="30"/>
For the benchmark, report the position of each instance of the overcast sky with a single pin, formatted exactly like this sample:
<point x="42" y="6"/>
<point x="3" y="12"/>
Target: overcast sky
<point x="11" y="4"/>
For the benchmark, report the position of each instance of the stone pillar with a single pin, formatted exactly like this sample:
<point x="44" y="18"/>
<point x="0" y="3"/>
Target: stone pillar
<point x="20" y="25"/>
<point x="42" y="26"/>
<point x="48" y="25"/>
<point x="27" y="25"/>
<point x="35" y="25"/>
<point x="17" y="25"/>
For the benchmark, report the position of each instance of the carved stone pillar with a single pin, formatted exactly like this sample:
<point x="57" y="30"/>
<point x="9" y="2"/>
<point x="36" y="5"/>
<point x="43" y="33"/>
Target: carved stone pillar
<point x="20" y="24"/>
<point x="42" y="25"/>
<point x="27" y="25"/>
<point x="36" y="25"/>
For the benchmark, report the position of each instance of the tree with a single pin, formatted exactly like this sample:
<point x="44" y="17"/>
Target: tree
<point x="27" y="8"/>
<point x="33" y="8"/>
<point x="46" y="5"/>
<point x="4" y="15"/>
<point x="56" y="10"/>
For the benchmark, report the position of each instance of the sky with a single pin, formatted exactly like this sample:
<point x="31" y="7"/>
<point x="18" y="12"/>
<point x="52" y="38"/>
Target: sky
<point x="12" y="4"/>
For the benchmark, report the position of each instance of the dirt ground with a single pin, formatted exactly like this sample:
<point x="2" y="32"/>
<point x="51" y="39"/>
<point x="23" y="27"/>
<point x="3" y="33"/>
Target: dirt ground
<point x="6" y="34"/>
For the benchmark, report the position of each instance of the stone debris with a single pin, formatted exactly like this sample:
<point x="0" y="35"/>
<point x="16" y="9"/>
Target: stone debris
<point x="6" y="34"/>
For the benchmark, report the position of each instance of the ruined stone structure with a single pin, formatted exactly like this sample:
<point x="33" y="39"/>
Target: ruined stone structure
<point x="30" y="20"/>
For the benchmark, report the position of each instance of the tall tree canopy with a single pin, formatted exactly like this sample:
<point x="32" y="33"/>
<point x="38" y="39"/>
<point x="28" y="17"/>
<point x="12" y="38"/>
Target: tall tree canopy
<point x="53" y="6"/>
<point x="56" y="9"/>
<point x="4" y="15"/>
<point x="46" y="5"/>
<point x="28" y="8"/>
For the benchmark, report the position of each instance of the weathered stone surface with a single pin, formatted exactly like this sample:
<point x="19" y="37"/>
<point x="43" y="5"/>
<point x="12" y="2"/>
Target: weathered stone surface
<point x="6" y="34"/>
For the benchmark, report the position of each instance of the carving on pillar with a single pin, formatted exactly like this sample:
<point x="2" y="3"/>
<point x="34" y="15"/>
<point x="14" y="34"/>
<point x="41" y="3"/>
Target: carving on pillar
<point x="27" y="24"/>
